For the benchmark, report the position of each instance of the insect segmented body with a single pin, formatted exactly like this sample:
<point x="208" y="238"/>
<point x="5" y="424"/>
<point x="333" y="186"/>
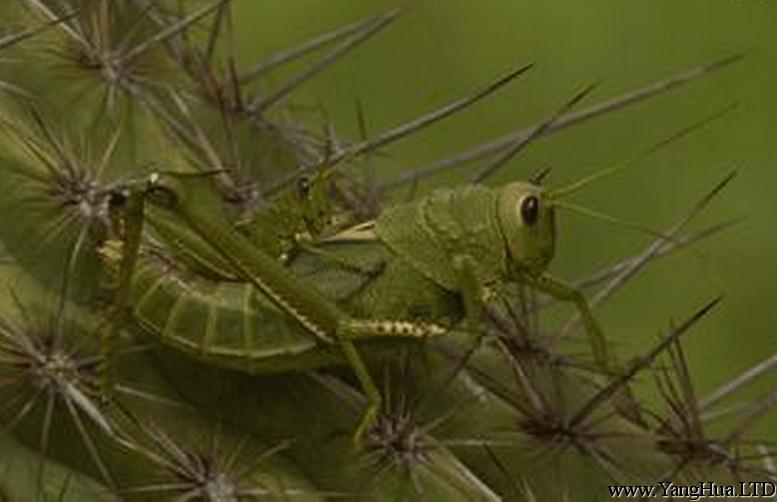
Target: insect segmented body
<point x="436" y="244"/>
<point x="441" y="256"/>
<point x="414" y="273"/>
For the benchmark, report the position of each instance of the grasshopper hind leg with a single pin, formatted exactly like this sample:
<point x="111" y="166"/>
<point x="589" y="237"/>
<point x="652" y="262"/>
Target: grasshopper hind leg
<point x="371" y="392"/>
<point x="352" y="330"/>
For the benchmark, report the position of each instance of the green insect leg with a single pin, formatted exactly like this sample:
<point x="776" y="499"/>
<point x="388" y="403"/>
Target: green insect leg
<point x="562" y="291"/>
<point x="472" y="293"/>
<point x="132" y="233"/>
<point x="351" y="330"/>
<point x="622" y="399"/>
<point x="371" y="392"/>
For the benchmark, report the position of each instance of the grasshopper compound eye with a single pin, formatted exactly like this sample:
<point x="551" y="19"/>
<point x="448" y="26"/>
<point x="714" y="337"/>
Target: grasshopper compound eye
<point x="530" y="210"/>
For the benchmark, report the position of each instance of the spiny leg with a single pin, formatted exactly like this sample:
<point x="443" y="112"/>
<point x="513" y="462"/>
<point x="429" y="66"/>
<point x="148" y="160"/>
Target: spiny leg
<point x="131" y="230"/>
<point x="623" y="400"/>
<point x="355" y="329"/>
<point x="473" y="293"/>
<point x="371" y="392"/>
<point x="562" y="291"/>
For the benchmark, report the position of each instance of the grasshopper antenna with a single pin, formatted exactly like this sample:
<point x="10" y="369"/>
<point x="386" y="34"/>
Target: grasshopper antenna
<point x="575" y="186"/>
<point x="575" y="208"/>
<point x="653" y="250"/>
<point x="555" y="194"/>
<point x="570" y="119"/>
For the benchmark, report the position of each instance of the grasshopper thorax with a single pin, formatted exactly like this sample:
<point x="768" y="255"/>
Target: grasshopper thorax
<point x="527" y="221"/>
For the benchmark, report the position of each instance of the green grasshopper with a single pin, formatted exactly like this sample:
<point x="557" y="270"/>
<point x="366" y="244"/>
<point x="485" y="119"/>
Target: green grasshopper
<point x="303" y="213"/>
<point x="442" y="255"/>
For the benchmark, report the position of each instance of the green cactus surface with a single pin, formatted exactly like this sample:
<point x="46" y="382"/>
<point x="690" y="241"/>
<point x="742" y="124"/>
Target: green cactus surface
<point x="206" y="286"/>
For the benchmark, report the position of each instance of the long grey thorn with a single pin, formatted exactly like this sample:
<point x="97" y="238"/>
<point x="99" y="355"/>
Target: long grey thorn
<point x="643" y="153"/>
<point x="764" y="405"/>
<point x="89" y="443"/>
<point x="152" y="10"/>
<point x="640" y="364"/>
<point x="33" y="147"/>
<point x="199" y="138"/>
<point x="68" y="271"/>
<point x="31" y="357"/>
<point x="667" y="248"/>
<point x="263" y="104"/>
<point x="573" y="118"/>
<point x="738" y="382"/>
<point x="499" y="389"/>
<point x="57" y="19"/>
<point x="535" y="133"/>
<point x="285" y="56"/>
<point x="222" y="16"/>
<point x="43" y="441"/>
<point x="130" y="87"/>
<point x="537" y="402"/>
<point x="234" y="86"/>
<point x="405" y="129"/>
<point x="651" y="252"/>
<point x="509" y="477"/>
<point x="14" y="90"/>
<point x="19" y="36"/>
<point x="191" y="472"/>
<point x="158" y="108"/>
<point x="688" y="396"/>
<point x="170" y="31"/>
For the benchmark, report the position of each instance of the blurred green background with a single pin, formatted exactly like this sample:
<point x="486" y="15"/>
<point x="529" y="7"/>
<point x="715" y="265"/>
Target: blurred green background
<point x="445" y="49"/>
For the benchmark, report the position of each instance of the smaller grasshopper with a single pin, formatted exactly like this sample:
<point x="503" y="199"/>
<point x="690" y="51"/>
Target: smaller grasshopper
<point x="301" y="214"/>
<point x="460" y="241"/>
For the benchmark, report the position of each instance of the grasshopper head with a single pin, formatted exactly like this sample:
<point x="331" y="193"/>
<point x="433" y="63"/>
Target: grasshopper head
<point x="527" y="221"/>
<point x="312" y="200"/>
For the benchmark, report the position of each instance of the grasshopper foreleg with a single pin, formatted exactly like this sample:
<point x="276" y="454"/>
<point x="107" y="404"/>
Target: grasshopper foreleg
<point x="472" y="293"/>
<point x="562" y="291"/>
